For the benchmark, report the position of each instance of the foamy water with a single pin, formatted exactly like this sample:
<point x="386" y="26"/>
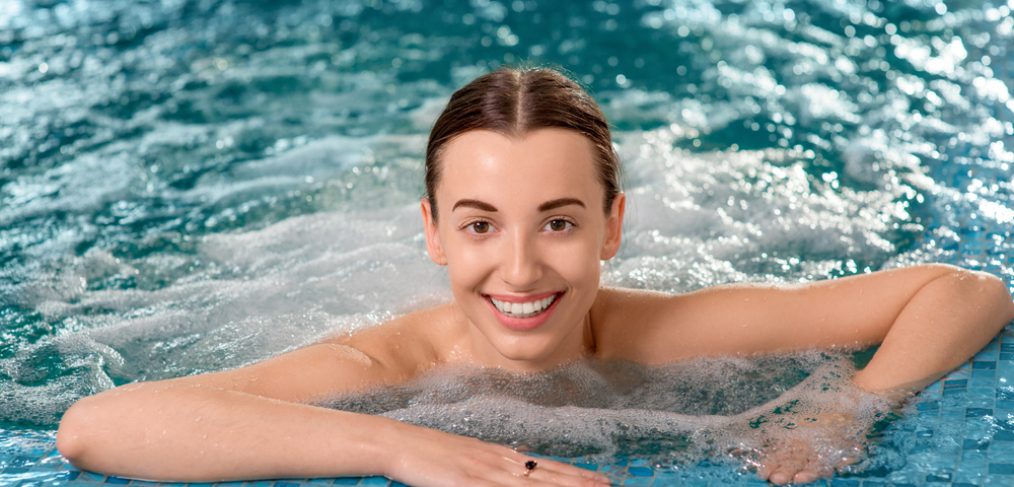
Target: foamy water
<point x="728" y="410"/>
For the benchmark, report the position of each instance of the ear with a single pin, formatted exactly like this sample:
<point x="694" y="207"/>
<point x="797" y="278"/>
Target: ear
<point x="433" y="246"/>
<point x="614" y="228"/>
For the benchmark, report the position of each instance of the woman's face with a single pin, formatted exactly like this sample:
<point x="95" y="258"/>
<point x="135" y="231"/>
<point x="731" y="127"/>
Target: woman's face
<point x="522" y="232"/>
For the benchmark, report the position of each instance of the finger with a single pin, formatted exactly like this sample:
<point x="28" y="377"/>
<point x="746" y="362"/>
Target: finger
<point x="786" y="463"/>
<point x="805" y="477"/>
<point x="564" y="479"/>
<point x="574" y="472"/>
<point x="847" y="459"/>
<point x="815" y="468"/>
<point x="516" y="466"/>
<point x="781" y="476"/>
<point x="547" y="464"/>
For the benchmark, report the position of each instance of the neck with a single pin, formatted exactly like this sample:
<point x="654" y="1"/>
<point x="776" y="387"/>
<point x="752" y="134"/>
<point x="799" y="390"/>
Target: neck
<point x="576" y="345"/>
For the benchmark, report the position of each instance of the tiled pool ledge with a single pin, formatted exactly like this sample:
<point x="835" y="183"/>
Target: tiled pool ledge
<point x="978" y="397"/>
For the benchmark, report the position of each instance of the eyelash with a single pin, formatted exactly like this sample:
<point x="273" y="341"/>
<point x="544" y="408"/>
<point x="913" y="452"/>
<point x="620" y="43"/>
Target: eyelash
<point x="470" y="225"/>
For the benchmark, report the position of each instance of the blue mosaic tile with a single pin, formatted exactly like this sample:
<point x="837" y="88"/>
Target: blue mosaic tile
<point x="638" y="462"/>
<point x="971" y="468"/>
<point x="283" y="484"/>
<point x="955" y="384"/>
<point x="91" y="477"/>
<point x="638" y="481"/>
<point x="972" y="444"/>
<point x="843" y="483"/>
<point x="1004" y="432"/>
<point x="1001" y="469"/>
<point x="380" y="481"/>
<point x="984" y="365"/>
<point x="983" y="378"/>
<point x="347" y="481"/>
<point x="640" y="471"/>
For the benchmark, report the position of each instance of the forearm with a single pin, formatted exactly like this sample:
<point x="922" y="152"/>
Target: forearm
<point x="945" y="323"/>
<point x="185" y="433"/>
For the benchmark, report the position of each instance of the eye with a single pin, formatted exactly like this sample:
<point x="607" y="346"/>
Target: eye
<point x="478" y="227"/>
<point x="559" y="225"/>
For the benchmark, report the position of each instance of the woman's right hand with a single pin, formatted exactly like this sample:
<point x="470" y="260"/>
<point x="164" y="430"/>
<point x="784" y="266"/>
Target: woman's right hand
<point x="427" y="457"/>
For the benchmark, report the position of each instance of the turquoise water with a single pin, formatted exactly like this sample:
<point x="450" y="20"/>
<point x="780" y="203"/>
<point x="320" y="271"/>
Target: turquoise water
<point x="190" y="186"/>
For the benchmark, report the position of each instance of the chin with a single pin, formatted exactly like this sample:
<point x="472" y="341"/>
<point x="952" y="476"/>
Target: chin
<point x="527" y="355"/>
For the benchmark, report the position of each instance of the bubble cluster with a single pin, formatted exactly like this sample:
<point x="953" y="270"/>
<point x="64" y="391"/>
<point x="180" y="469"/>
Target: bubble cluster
<point x="736" y="410"/>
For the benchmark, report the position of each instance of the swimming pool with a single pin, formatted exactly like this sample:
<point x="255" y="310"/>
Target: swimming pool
<point x="193" y="185"/>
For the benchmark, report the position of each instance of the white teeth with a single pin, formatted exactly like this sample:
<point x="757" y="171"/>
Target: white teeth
<point x="523" y="310"/>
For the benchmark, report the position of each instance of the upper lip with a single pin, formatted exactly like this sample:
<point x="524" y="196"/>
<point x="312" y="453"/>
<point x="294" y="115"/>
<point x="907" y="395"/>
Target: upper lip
<point x="522" y="299"/>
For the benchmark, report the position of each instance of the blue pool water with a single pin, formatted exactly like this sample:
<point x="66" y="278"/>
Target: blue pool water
<point x="188" y="186"/>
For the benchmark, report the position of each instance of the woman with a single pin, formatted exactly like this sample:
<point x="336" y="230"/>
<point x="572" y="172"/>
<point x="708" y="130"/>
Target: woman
<point x="522" y="205"/>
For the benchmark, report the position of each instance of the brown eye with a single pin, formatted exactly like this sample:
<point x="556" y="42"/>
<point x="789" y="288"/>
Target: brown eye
<point x="480" y="227"/>
<point x="558" y="225"/>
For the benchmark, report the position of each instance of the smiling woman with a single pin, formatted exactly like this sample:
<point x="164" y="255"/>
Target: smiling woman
<point x="515" y="228"/>
<point x="522" y="206"/>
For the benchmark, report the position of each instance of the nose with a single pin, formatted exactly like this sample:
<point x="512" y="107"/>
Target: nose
<point x="521" y="267"/>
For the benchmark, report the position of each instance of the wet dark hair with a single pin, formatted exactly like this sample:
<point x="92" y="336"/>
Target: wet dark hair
<point x="513" y="101"/>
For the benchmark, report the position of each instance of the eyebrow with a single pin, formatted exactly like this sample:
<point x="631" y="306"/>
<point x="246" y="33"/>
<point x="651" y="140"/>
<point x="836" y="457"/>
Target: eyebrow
<point x="549" y="205"/>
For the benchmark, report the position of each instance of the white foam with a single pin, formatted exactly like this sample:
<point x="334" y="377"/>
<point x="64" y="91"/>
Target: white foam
<point x="699" y="219"/>
<point x="728" y="408"/>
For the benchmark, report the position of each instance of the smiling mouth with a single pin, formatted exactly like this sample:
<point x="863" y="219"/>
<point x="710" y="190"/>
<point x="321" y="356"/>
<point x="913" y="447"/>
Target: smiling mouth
<point x="522" y="310"/>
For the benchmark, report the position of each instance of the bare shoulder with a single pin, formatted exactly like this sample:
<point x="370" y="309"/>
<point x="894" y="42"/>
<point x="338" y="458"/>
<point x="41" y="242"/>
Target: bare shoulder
<point x="405" y="346"/>
<point x="386" y="354"/>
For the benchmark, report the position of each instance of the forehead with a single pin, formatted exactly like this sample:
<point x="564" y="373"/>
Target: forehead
<point x="544" y="163"/>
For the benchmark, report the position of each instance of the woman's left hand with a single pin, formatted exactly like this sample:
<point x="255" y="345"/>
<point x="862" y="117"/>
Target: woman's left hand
<point x="815" y="448"/>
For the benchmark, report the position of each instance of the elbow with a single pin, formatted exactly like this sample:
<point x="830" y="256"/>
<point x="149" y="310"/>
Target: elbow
<point x="991" y="293"/>
<point x="72" y="435"/>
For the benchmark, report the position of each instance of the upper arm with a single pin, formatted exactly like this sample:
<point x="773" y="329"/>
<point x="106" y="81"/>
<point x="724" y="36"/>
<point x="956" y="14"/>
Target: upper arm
<point x="303" y="375"/>
<point x="748" y="319"/>
<point x="381" y="355"/>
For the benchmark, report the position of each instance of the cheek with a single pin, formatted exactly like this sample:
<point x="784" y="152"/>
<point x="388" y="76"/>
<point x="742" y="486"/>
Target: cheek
<point x="467" y="262"/>
<point x="577" y="262"/>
